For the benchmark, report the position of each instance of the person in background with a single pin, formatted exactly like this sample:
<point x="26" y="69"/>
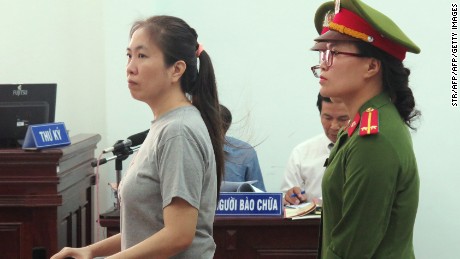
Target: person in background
<point x="305" y="167"/>
<point x="371" y="184"/>
<point x="169" y="193"/>
<point x="241" y="162"/>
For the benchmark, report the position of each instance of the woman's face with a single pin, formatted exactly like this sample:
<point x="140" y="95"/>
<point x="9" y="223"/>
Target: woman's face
<point x="148" y="77"/>
<point x="345" y="76"/>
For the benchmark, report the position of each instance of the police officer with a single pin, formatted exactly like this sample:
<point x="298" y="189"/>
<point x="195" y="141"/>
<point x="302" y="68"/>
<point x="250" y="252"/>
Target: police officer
<point x="371" y="184"/>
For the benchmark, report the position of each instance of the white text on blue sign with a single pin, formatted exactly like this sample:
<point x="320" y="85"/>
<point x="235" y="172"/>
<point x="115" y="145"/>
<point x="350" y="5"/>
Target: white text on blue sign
<point x="247" y="204"/>
<point x="50" y="135"/>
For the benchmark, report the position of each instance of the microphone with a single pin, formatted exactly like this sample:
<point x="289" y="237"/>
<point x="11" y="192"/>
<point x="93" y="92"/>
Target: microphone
<point x="138" y="138"/>
<point x="133" y="140"/>
<point x="118" y="146"/>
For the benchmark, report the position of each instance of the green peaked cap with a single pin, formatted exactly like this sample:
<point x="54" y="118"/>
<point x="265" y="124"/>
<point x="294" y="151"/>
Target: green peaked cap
<point x="380" y="22"/>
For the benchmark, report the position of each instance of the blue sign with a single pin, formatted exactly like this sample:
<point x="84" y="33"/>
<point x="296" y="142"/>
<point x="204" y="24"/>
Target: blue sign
<point x="249" y="204"/>
<point x="47" y="135"/>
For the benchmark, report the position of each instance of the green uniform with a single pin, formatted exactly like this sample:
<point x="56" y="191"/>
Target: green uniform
<point x="370" y="190"/>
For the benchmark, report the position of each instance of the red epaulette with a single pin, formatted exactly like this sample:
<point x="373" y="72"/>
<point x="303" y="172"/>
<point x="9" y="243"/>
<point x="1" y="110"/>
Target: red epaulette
<point x="353" y="124"/>
<point x="369" y="124"/>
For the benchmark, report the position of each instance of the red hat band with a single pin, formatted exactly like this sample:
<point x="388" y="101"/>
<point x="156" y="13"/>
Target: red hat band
<point x="347" y="22"/>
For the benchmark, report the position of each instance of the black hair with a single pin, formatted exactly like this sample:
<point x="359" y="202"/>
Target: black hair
<point x="319" y="102"/>
<point x="226" y="117"/>
<point x="178" y="41"/>
<point x="395" y="79"/>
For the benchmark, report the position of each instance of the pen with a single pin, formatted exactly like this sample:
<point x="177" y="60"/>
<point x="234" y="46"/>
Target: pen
<point x="295" y="195"/>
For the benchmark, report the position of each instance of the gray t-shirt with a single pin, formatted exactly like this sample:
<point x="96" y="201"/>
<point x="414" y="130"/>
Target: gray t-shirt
<point x="175" y="160"/>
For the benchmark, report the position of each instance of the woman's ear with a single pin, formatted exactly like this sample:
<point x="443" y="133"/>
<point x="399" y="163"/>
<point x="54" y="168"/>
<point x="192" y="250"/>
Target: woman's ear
<point x="373" y="68"/>
<point x="178" y="70"/>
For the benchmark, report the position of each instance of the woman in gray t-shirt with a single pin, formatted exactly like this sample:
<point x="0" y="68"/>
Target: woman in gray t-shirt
<point x="168" y="196"/>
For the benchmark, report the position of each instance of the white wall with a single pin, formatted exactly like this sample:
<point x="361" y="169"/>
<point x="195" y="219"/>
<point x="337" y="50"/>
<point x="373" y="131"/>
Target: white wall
<point x="59" y="42"/>
<point x="261" y="57"/>
<point x="52" y="41"/>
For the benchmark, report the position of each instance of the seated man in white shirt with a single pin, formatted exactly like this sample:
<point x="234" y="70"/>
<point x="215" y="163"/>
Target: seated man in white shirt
<point x="305" y="168"/>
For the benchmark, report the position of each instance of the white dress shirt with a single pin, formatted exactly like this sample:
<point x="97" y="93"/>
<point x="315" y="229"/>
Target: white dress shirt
<point x="305" y="167"/>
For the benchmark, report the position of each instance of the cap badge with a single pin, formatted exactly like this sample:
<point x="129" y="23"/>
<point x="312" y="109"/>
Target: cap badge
<point x="328" y="17"/>
<point x="369" y="122"/>
<point x="337" y="6"/>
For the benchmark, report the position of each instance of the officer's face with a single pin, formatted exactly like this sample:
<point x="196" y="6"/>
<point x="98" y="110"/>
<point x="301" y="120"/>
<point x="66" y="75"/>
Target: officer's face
<point x="333" y="117"/>
<point x="342" y="75"/>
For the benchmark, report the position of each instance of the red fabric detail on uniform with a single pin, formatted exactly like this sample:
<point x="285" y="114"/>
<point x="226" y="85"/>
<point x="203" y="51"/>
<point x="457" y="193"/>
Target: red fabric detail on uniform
<point x="369" y="122"/>
<point x="355" y="22"/>
<point x="353" y="124"/>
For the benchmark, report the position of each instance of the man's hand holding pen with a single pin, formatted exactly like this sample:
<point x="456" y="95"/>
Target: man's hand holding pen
<point x="294" y="196"/>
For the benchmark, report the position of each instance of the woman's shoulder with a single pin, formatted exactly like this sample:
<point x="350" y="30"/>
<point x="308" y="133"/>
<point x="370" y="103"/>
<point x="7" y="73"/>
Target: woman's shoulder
<point x="183" y="121"/>
<point x="237" y="142"/>
<point x="178" y="117"/>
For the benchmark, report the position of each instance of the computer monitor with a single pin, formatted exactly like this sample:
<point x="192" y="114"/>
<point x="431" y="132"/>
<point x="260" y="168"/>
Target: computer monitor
<point x="22" y="105"/>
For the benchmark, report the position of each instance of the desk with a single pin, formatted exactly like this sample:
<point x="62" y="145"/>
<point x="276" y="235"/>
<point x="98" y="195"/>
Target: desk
<point x="46" y="198"/>
<point x="265" y="238"/>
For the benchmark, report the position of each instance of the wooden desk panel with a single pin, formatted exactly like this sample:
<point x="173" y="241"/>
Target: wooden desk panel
<point x="264" y="238"/>
<point x="46" y="198"/>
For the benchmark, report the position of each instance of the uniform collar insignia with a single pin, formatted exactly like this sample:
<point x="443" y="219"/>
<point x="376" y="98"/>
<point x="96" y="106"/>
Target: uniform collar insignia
<point x="369" y="124"/>
<point x="353" y="124"/>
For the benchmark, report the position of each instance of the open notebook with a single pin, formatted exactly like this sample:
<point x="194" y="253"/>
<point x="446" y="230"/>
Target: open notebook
<point x="304" y="210"/>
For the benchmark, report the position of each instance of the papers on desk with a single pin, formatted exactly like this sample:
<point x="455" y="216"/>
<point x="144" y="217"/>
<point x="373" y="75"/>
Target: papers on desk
<point x="302" y="211"/>
<point x="308" y="216"/>
<point x="239" y="186"/>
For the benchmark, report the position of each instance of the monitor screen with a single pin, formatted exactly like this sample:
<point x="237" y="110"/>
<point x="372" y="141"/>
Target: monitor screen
<point x="22" y="105"/>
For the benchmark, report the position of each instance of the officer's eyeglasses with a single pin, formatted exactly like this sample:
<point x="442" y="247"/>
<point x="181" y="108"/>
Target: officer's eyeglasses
<point x="327" y="56"/>
<point x="316" y="70"/>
